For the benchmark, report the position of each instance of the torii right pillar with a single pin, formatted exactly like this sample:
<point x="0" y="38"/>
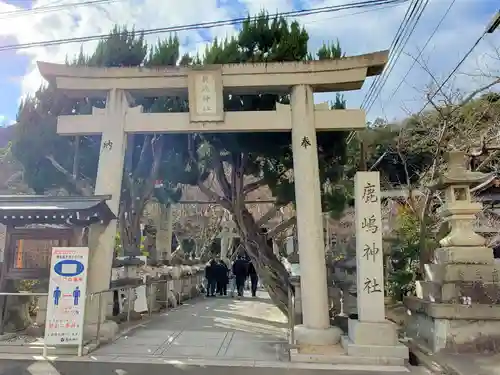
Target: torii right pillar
<point x="315" y="338"/>
<point x="316" y="329"/>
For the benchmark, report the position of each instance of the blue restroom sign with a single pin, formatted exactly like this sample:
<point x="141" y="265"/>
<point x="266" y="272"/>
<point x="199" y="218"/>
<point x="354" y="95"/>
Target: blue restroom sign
<point x="69" y="268"/>
<point x="67" y="296"/>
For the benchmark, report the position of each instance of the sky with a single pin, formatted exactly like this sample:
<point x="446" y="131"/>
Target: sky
<point x="358" y="31"/>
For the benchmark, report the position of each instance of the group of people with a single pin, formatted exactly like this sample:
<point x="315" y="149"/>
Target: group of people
<point x="219" y="276"/>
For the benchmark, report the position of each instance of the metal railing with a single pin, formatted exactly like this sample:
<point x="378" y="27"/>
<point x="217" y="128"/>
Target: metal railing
<point x="151" y="299"/>
<point x="291" y="316"/>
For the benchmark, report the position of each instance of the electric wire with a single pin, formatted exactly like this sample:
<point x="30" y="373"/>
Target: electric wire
<point x="52" y="8"/>
<point x="205" y="25"/>
<point x="403" y="34"/>
<point x="394" y="42"/>
<point x="422" y="50"/>
<point x="405" y="39"/>
<point x="454" y="70"/>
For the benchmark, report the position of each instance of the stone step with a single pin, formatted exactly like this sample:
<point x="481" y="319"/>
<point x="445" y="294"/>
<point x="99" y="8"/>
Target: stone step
<point x="438" y="310"/>
<point x="451" y="292"/>
<point x="442" y="273"/>
<point x="398" y="351"/>
<point x="344" y="359"/>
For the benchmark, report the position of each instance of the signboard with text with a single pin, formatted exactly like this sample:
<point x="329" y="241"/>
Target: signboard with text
<point x="66" y="298"/>
<point x="369" y="250"/>
<point x="205" y="96"/>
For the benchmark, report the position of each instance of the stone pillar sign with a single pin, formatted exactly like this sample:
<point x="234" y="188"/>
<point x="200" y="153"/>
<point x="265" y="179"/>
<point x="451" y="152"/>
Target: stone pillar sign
<point x="369" y="254"/>
<point x="370" y="335"/>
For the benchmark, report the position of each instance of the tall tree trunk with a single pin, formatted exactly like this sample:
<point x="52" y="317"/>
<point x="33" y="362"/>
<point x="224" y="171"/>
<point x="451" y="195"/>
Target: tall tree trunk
<point x="130" y="228"/>
<point x="269" y="268"/>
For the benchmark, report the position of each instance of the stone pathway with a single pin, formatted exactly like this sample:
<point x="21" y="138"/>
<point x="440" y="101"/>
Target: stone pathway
<point x="211" y="328"/>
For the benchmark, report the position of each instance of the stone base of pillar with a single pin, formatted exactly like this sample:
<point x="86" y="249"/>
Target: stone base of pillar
<point x="107" y="331"/>
<point x="385" y="357"/>
<point x="305" y="336"/>
<point x="375" y="340"/>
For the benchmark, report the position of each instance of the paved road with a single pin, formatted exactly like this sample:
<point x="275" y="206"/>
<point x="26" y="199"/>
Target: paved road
<point x="213" y="336"/>
<point x="210" y="328"/>
<point x="19" y="367"/>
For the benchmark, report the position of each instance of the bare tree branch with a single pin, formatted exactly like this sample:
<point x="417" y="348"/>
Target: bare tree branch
<point x="269" y="215"/>
<point x="281" y="227"/>
<point x="83" y="186"/>
<point x="473" y="94"/>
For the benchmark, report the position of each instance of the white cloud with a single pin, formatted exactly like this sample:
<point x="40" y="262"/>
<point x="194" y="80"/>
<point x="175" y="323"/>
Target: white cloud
<point x="359" y="31"/>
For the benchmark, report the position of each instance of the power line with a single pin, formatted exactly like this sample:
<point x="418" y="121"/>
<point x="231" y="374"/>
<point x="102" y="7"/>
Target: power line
<point x="405" y="38"/>
<point x="401" y="48"/>
<point x="391" y="49"/>
<point x="422" y="49"/>
<point x="52" y="8"/>
<point x="206" y="25"/>
<point x="492" y="26"/>
<point x="490" y="29"/>
<point x="453" y="71"/>
<point x="397" y="45"/>
<point x="354" y="13"/>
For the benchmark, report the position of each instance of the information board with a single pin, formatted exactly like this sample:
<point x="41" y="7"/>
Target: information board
<point x="66" y="298"/>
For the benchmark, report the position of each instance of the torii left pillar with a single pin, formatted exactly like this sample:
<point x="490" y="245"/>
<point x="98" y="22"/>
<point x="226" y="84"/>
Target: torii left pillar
<point x="109" y="182"/>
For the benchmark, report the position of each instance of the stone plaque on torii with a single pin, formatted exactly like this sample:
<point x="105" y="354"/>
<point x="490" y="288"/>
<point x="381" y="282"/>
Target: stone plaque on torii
<point x="205" y="88"/>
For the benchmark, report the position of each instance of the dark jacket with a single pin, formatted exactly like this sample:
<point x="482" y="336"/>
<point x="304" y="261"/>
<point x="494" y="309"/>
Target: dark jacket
<point x="224" y="272"/>
<point x="210" y="271"/>
<point x="251" y="270"/>
<point x="220" y="271"/>
<point x="240" y="268"/>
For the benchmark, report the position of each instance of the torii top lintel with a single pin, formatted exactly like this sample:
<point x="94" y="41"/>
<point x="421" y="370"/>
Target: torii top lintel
<point x="342" y="74"/>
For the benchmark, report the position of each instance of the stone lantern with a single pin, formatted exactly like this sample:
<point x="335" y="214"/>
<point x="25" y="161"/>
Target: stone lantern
<point x="457" y="306"/>
<point x="161" y="215"/>
<point x="458" y="211"/>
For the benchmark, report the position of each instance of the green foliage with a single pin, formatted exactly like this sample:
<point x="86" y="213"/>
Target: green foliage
<point x="118" y="248"/>
<point x="121" y="48"/>
<point x="405" y="255"/>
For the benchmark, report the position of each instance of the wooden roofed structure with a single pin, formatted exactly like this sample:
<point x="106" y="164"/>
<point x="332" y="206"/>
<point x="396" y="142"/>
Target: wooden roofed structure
<point x="34" y="224"/>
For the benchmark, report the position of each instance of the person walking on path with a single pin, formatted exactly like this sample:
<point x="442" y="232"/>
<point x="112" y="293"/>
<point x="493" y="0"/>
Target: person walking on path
<point x="210" y="275"/>
<point x="254" y="278"/>
<point x="222" y="277"/>
<point x="240" y="274"/>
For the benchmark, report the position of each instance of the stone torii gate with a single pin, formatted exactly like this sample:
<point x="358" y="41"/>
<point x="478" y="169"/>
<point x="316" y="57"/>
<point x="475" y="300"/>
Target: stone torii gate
<point x="205" y="88"/>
